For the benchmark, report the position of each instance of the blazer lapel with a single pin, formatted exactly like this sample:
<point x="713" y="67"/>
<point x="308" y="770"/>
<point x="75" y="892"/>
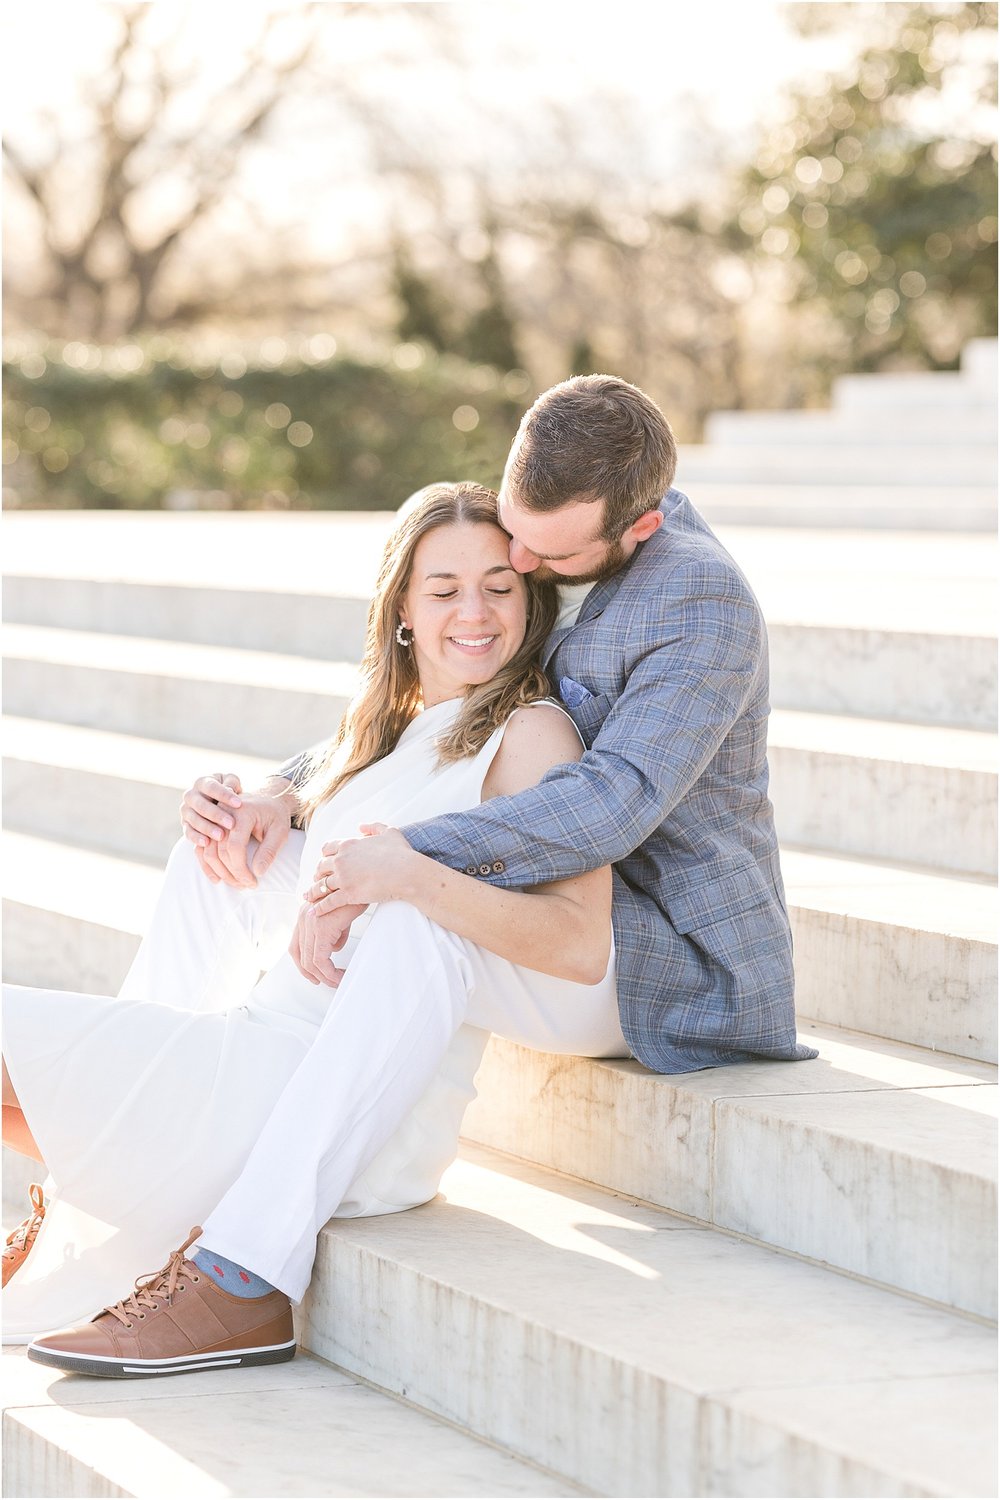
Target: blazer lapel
<point x="594" y="605"/>
<point x="601" y="595"/>
<point x="553" y="642"/>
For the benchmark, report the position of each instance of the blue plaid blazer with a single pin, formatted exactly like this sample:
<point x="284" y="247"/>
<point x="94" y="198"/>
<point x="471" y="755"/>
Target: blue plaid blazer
<point x="665" y="674"/>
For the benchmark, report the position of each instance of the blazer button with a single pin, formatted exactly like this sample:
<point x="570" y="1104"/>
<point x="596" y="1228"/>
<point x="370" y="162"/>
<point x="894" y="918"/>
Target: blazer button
<point x="472" y="869"/>
<point x="485" y="870"/>
<point x="499" y="867"/>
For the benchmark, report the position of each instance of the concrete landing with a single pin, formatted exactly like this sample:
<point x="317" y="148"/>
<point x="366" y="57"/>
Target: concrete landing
<point x="300" y="1429"/>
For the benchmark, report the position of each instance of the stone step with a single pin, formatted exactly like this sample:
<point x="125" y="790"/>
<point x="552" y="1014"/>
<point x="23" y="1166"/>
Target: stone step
<point x="898" y="626"/>
<point x="894" y="791"/>
<point x="898" y="952"/>
<point x="116" y="792"/>
<point x="337" y="553"/>
<point x="886" y="659"/>
<point x="915" y="676"/>
<point x="864" y="1165"/>
<point x="901" y="953"/>
<point x="72" y="917"/>
<point x="315" y="551"/>
<point x="872" y="508"/>
<point x="298" y="1429"/>
<point x="256" y="702"/>
<point x="834" y="463"/>
<point x="642" y="1354"/>
<point x="908" y="581"/>
<point x="307" y="625"/>
<point x="875" y="1158"/>
<point x="979" y="362"/>
<point x="909" y="793"/>
<point x="931" y="391"/>
<point x="899" y="431"/>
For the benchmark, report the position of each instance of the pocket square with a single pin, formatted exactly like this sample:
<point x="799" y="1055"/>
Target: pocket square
<point x="573" y="693"/>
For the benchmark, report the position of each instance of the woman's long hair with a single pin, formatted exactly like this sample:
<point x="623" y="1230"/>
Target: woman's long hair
<point x="389" y="695"/>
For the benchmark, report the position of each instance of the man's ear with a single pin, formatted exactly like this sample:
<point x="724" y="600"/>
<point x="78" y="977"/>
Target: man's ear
<point x="648" y="522"/>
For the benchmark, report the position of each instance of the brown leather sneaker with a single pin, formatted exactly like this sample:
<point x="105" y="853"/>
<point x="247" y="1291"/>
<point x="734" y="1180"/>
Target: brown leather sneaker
<point x="175" y="1321"/>
<point x="21" y="1239"/>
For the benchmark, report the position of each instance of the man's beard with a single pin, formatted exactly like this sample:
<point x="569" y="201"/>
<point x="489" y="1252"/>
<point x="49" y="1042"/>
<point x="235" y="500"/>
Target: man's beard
<point x="613" y="560"/>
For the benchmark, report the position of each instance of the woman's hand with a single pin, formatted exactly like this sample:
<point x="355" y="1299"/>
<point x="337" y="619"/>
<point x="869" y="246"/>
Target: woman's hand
<point x="204" y="808"/>
<point x="357" y="872"/>
<point x="236" y="835"/>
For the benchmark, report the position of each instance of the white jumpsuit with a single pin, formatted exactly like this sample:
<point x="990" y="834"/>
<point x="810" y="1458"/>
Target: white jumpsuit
<point x="259" y="1107"/>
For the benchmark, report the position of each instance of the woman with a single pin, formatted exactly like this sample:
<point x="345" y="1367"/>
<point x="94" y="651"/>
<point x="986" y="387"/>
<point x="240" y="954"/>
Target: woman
<point x="284" y="1099"/>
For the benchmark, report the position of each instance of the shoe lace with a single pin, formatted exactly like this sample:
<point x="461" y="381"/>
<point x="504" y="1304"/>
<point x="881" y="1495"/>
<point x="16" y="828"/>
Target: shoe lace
<point x="162" y="1283"/>
<point x="24" y="1236"/>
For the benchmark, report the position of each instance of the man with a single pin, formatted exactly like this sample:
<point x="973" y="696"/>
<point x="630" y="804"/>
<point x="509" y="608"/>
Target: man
<point x="660" y="656"/>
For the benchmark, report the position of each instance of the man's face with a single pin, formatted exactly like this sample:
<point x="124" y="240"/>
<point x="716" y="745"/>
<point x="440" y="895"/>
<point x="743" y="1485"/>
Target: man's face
<point x="564" y="545"/>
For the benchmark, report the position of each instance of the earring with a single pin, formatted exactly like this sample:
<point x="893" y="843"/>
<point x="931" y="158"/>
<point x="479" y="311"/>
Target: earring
<point x="401" y="636"/>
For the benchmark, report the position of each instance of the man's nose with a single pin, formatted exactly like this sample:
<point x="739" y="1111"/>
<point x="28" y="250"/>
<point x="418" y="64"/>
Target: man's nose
<point x="521" y="560"/>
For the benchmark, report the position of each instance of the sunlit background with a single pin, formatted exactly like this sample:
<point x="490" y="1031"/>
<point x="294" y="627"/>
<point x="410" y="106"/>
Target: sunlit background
<point x="283" y="255"/>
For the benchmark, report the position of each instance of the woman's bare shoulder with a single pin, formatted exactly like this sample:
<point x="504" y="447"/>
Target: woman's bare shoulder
<point x="536" y="738"/>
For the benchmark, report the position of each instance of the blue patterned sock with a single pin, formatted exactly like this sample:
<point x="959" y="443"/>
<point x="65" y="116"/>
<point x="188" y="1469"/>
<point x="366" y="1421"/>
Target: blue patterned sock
<point x="234" y="1279"/>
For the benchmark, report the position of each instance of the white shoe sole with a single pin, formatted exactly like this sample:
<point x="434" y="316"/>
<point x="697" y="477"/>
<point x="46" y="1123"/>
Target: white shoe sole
<point x="114" y="1368"/>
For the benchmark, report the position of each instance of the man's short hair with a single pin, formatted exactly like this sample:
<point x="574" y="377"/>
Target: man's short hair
<point x="590" y="437"/>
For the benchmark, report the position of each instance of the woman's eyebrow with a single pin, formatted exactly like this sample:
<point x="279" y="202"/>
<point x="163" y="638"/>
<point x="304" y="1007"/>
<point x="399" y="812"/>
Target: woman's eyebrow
<point x="500" y="568"/>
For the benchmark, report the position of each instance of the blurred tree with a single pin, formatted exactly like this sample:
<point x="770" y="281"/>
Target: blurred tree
<point x="648" y="290"/>
<point x="475" y="321"/>
<point x="489" y="334"/>
<point x="511" y="232"/>
<point x="122" y="189"/>
<point x="582" y="359"/>
<point x="564" y="242"/>
<point x="884" y="220"/>
<point x="103" y="265"/>
<point x="168" y="423"/>
<point x="424" y="310"/>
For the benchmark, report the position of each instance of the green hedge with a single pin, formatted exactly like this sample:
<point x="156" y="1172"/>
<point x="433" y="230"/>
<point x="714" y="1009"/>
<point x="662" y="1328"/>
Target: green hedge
<point x="154" y="425"/>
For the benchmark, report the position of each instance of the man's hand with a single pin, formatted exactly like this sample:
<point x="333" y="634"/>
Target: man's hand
<point x="231" y="830"/>
<point x="356" y="872"/>
<point x="315" y="938"/>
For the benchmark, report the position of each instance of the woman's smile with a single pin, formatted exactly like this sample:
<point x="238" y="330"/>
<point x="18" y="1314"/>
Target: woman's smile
<point x="476" y="644"/>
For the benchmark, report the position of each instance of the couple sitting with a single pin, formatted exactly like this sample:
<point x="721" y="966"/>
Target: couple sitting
<point x="597" y="875"/>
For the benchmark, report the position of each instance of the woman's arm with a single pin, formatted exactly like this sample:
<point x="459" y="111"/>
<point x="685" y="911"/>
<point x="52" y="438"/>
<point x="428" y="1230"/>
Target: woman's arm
<point x="563" y="928"/>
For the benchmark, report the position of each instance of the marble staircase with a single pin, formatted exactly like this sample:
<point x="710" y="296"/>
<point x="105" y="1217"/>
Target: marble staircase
<point x="896" y="451"/>
<point x="761" y="1280"/>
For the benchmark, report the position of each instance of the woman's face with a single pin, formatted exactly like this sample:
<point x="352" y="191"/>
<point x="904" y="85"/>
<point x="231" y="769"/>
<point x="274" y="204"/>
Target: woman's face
<point x="466" y="607"/>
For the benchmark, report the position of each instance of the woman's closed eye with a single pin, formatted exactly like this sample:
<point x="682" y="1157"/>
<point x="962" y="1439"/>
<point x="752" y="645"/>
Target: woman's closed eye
<point x="450" y="594"/>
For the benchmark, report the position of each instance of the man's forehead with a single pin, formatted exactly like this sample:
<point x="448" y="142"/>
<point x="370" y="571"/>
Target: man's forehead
<point x="576" y="524"/>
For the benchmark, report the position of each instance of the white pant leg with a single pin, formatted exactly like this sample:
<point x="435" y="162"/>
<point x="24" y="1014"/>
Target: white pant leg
<point x="207" y="945"/>
<point x="408" y="988"/>
<point x="205" y="950"/>
<point x="542" y="1012"/>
